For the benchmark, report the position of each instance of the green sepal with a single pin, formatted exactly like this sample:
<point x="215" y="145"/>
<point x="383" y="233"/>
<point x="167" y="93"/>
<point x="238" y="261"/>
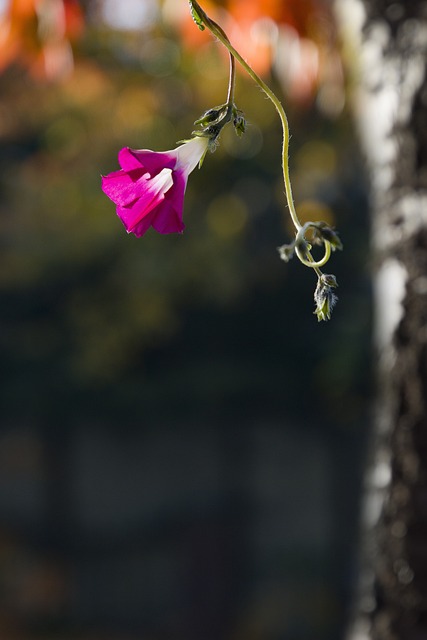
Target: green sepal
<point x="203" y="157"/>
<point x="196" y="17"/>
<point x="239" y="122"/>
<point x="212" y="115"/>
<point x="302" y="246"/>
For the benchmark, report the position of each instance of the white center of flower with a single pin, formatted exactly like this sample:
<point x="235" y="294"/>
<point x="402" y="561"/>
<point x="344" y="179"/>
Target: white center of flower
<point x="190" y="153"/>
<point x="162" y="182"/>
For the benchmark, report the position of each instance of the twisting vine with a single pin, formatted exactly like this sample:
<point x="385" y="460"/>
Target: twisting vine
<point x="320" y="232"/>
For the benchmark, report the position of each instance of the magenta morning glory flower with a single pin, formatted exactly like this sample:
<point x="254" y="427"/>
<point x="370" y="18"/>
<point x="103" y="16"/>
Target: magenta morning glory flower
<point x="148" y="191"/>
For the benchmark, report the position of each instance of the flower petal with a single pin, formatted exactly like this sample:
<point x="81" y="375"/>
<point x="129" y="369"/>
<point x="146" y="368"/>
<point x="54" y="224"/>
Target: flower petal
<point x="151" y="194"/>
<point x="141" y="227"/>
<point x="149" y="189"/>
<point x="166" y="219"/>
<point x="151" y="161"/>
<point x="175" y="196"/>
<point x="127" y="160"/>
<point x="124" y="188"/>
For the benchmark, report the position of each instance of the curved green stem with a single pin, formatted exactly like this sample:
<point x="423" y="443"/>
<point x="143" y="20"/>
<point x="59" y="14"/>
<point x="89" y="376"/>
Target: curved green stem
<point x="232" y="80"/>
<point x="311" y="262"/>
<point x="217" y="31"/>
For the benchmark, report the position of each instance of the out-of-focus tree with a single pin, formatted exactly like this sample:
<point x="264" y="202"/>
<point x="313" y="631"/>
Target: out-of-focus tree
<point x="391" y="55"/>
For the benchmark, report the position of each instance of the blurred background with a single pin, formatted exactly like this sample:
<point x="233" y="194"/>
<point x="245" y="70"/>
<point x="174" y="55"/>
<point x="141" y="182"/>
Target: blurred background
<point x="181" y="442"/>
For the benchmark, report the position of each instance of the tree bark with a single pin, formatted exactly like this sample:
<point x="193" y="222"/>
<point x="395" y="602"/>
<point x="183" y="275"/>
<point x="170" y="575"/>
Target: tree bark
<point x="391" y="60"/>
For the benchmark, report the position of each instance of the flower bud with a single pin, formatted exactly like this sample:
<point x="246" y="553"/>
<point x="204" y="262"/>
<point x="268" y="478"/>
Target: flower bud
<point x="239" y="122"/>
<point x="302" y="246"/>
<point x="323" y="232"/>
<point x="212" y="115"/>
<point x="324" y="296"/>
<point x="286" y="251"/>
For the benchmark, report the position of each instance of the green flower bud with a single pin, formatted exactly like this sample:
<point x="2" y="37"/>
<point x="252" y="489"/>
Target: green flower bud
<point x="329" y="280"/>
<point x="212" y="115"/>
<point x="323" y="232"/>
<point x="324" y="296"/>
<point x="239" y="122"/>
<point x="302" y="246"/>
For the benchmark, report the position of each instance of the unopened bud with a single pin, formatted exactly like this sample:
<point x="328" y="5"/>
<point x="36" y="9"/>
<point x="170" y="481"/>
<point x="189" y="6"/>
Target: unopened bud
<point x="286" y="251"/>
<point x="239" y="122"/>
<point x="324" y="297"/>
<point x="212" y="115"/>
<point x="323" y="232"/>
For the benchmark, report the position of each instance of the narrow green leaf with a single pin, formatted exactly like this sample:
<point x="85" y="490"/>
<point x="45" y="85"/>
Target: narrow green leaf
<point x="196" y="17"/>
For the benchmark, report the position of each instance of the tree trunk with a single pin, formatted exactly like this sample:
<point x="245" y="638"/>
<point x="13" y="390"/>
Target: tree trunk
<point x="391" y="60"/>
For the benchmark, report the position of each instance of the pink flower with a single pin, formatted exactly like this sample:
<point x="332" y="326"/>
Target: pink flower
<point x="149" y="188"/>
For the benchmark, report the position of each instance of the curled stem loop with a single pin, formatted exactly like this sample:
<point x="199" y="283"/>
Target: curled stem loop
<point x="309" y="261"/>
